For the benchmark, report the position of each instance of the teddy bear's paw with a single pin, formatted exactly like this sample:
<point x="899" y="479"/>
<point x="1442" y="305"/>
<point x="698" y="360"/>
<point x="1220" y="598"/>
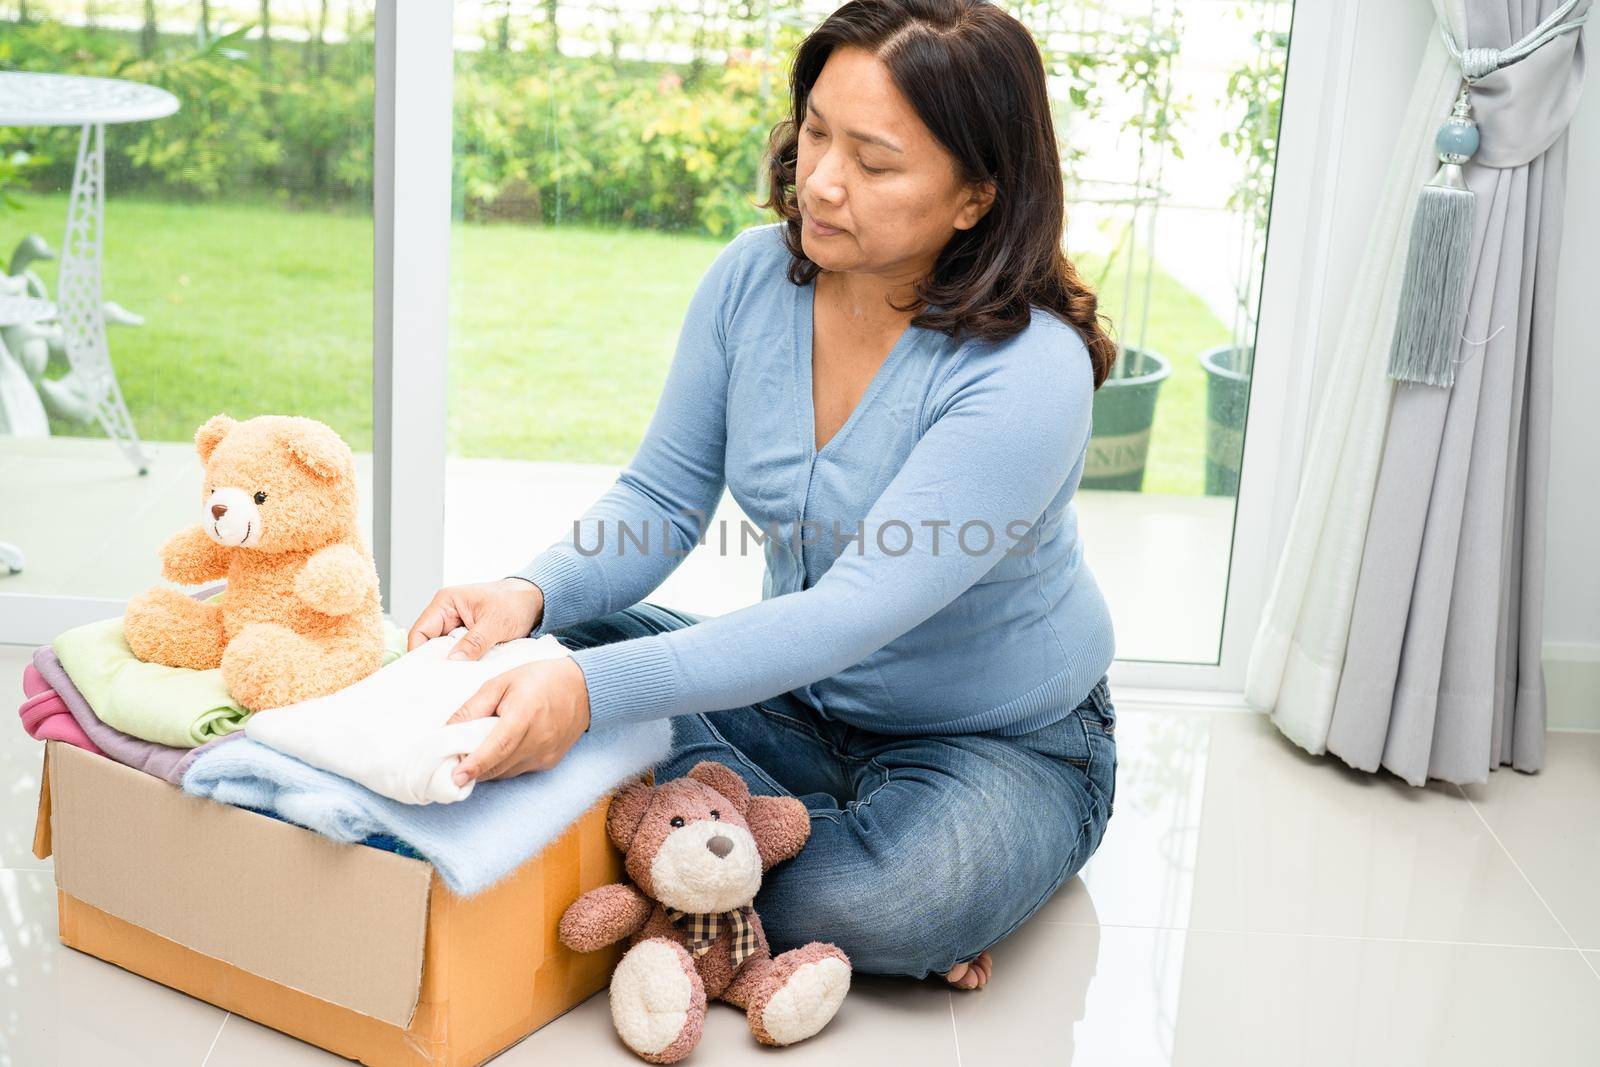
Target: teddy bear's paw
<point x="658" y="1003"/>
<point x="164" y="626"/>
<point x="266" y="666"/>
<point x="808" y="984"/>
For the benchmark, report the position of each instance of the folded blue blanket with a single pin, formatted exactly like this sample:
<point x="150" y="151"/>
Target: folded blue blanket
<point x="472" y="843"/>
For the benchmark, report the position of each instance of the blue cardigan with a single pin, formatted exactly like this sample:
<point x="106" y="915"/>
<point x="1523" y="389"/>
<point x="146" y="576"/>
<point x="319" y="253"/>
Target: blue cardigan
<point x="924" y="572"/>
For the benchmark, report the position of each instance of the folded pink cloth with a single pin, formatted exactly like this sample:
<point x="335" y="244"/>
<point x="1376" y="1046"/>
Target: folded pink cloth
<point x="46" y="716"/>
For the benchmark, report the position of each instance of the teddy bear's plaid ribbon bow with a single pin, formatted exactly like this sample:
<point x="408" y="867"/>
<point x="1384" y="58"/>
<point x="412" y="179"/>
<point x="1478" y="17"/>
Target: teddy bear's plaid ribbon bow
<point x="702" y="930"/>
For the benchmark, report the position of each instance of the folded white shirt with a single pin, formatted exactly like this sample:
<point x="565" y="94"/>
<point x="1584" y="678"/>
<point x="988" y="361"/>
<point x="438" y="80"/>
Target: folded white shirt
<point x="388" y="730"/>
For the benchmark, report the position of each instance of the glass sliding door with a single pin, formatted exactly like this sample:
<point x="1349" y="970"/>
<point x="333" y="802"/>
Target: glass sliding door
<point x="235" y="273"/>
<point x="1169" y="125"/>
<point x="604" y="153"/>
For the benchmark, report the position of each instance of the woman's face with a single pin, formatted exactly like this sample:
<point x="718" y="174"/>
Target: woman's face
<point x="877" y="192"/>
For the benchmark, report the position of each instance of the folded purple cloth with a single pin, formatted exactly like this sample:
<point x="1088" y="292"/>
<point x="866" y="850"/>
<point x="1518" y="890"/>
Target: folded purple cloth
<point x="163" y="761"/>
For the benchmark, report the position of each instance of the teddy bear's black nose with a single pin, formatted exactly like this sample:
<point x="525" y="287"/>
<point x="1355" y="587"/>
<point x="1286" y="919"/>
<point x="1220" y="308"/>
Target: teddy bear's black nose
<point x="218" y="510"/>
<point x="720" y="846"/>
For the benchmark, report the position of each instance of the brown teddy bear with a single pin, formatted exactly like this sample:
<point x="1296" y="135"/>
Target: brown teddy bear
<point x="696" y="848"/>
<point x="301" y="616"/>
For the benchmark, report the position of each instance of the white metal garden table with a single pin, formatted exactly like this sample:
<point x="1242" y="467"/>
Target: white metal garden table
<point x="90" y="103"/>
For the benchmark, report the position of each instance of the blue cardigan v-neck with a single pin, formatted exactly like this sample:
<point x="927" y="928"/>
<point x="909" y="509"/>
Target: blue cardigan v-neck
<point x="924" y="572"/>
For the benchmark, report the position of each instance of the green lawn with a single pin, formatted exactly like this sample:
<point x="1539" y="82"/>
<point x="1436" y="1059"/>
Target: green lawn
<point x="559" y="337"/>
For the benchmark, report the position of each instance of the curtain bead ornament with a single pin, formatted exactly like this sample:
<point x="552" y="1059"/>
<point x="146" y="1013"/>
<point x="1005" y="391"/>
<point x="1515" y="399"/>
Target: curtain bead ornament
<point x="1457" y="140"/>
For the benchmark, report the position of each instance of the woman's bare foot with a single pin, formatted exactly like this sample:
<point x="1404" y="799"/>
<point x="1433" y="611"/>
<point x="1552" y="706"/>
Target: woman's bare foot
<point x="973" y="974"/>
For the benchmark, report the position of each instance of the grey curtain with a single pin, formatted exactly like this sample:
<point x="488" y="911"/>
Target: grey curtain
<point x="1442" y="677"/>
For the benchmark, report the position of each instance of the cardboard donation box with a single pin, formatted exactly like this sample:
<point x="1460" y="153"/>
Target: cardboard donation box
<point x="363" y="952"/>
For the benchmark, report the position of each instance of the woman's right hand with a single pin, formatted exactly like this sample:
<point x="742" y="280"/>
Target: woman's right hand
<point x="492" y="612"/>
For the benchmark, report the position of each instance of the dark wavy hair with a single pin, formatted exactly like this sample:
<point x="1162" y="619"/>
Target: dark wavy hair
<point x="975" y="77"/>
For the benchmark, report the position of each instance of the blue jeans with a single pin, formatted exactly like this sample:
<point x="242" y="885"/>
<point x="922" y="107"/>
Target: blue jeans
<point x="924" y="850"/>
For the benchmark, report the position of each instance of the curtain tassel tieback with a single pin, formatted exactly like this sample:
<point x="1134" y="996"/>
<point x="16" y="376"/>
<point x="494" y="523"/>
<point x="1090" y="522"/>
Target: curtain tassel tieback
<point x="1433" y="288"/>
<point x="1434" y="284"/>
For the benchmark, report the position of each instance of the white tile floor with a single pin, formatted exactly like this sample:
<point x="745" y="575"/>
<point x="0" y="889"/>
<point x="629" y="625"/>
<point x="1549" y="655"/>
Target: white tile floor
<point x="1250" y="905"/>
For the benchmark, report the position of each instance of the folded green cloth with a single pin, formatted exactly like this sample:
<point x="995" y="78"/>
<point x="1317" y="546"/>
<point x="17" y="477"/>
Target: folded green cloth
<point x="176" y="706"/>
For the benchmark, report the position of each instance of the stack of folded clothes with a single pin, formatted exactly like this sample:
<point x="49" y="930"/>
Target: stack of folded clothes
<point x="88" y="689"/>
<point x="369" y="764"/>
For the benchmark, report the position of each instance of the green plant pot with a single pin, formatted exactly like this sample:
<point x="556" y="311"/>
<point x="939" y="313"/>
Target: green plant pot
<point x="1124" y="411"/>
<point x="1227" y="404"/>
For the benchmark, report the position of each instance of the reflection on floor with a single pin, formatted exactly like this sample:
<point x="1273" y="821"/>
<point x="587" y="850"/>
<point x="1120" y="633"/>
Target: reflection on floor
<point x="90" y="526"/>
<point x="1250" y="905"/>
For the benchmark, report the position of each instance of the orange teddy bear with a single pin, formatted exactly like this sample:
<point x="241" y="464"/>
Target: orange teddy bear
<point x="301" y="616"/>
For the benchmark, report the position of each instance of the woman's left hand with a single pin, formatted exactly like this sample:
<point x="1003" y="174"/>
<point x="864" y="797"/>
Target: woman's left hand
<point x="543" y="708"/>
